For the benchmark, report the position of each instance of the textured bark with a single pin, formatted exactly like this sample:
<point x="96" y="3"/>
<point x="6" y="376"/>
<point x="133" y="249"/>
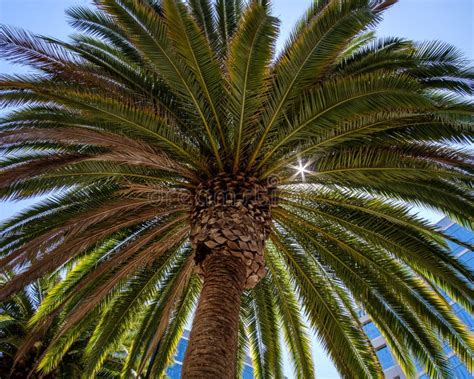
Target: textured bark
<point x="212" y="348"/>
<point x="232" y="216"/>
<point x="230" y="223"/>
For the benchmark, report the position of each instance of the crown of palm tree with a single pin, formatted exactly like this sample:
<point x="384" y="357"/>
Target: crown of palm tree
<point x="155" y="100"/>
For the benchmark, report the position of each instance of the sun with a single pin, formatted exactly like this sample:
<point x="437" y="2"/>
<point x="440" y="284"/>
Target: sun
<point x="302" y="169"/>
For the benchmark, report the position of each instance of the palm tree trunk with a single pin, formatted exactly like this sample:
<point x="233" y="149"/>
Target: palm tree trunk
<point x="212" y="349"/>
<point x="229" y="225"/>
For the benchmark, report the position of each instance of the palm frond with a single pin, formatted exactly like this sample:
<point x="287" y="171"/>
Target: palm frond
<point x="249" y="57"/>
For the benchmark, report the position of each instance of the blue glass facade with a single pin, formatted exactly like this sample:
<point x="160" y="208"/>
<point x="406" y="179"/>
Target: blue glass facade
<point x="464" y="316"/>
<point x="467" y="257"/>
<point x="181" y="350"/>
<point x="385" y="357"/>
<point x="461" y="234"/>
<point x="247" y="373"/>
<point x="459" y="371"/>
<point x="371" y="330"/>
<point x="174" y="370"/>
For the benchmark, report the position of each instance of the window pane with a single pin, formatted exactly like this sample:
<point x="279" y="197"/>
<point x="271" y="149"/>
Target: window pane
<point x="418" y="365"/>
<point x="446" y="348"/>
<point x="181" y="350"/>
<point x="464" y="316"/>
<point x="445" y="295"/>
<point x="468" y="259"/>
<point x="371" y="330"/>
<point x="248" y="372"/>
<point x="461" y="234"/>
<point x="385" y="358"/>
<point x="460" y="371"/>
<point x="174" y="371"/>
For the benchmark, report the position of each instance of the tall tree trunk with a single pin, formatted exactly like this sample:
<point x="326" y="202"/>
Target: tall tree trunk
<point x="212" y="349"/>
<point x="229" y="225"/>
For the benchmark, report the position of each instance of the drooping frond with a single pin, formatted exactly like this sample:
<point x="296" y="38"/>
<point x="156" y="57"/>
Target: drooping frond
<point x="328" y="314"/>
<point x="263" y="325"/>
<point x="291" y="320"/>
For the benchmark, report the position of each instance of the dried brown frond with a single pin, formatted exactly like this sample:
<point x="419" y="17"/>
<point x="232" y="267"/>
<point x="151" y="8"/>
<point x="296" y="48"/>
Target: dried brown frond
<point x="158" y="161"/>
<point x="117" y="259"/>
<point x="37" y="167"/>
<point x="180" y="284"/>
<point x="146" y="257"/>
<point x="157" y="193"/>
<point x="384" y="4"/>
<point x="72" y="228"/>
<point x="73" y="247"/>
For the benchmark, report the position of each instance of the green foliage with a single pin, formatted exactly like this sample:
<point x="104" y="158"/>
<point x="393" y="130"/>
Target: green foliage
<point x="21" y="346"/>
<point x="119" y="126"/>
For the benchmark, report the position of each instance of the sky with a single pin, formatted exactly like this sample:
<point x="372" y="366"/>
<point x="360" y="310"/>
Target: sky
<point x="446" y="20"/>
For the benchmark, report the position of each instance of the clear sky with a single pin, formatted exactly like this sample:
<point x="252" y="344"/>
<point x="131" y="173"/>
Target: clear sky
<point x="447" y="20"/>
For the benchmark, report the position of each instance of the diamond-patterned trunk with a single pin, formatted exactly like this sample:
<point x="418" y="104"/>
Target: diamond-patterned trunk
<point x="230" y="223"/>
<point x="232" y="216"/>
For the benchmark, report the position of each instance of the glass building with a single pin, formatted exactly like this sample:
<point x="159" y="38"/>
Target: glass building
<point x="174" y="371"/>
<point x="388" y="362"/>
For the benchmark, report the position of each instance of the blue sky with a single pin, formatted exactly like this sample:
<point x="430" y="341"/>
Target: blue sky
<point x="447" y="20"/>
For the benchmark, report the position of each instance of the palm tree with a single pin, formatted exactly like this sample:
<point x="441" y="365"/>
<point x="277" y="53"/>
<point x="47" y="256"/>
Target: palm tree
<point x="20" y="349"/>
<point x="187" y="163"/>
